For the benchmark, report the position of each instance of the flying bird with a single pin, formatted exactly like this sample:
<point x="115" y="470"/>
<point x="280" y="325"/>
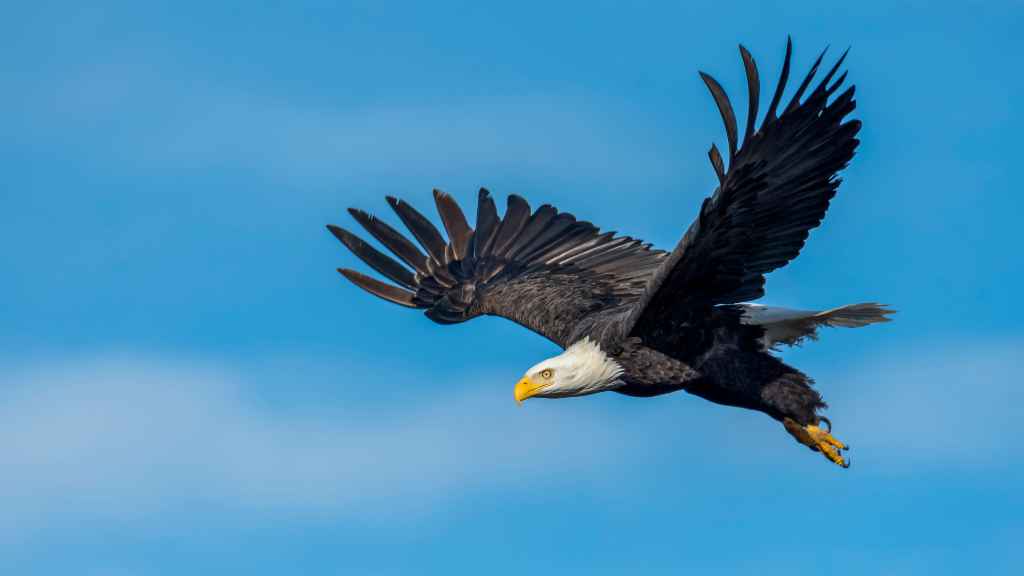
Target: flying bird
<point x="641" y="321"/>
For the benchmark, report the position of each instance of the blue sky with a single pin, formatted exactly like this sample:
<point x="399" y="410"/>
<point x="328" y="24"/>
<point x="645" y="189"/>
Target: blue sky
<point x="187" y="386"/>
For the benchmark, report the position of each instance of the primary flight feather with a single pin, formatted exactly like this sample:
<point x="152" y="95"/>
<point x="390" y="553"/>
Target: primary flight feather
<point x="642" y="321"/>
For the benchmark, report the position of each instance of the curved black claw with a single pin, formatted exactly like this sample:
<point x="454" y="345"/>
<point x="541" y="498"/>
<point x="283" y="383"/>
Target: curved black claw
<point x="826" y="421"/>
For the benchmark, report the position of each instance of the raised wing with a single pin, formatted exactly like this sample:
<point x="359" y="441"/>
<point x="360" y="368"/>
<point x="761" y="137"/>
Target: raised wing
<point x="777" y="188"/>
<point x="542" y="269"/>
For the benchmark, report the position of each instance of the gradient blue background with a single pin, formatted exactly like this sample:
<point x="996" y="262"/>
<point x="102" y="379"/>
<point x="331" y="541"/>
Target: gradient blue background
<point x="187" y="386"/>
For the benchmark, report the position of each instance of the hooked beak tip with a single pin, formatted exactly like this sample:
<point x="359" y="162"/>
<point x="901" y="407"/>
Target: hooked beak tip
<point x="524" y="389"/>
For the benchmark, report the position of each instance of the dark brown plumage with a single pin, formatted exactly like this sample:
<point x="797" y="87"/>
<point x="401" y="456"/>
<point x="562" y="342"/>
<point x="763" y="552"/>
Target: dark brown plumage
<point x="671" y="320"/>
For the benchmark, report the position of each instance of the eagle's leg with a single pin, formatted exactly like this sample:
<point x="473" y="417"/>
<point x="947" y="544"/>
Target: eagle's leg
<point x="790" y="396"/>
<point x="818" y="439"/>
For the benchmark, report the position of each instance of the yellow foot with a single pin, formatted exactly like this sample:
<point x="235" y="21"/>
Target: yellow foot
<point x="819" y="440"/>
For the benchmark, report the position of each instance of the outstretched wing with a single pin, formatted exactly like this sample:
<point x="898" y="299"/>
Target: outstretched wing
<point x="542" y="269"/>
<point x="777" y="188"/>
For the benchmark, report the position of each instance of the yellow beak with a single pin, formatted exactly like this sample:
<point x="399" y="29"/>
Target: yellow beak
<point x="525" y="388"/>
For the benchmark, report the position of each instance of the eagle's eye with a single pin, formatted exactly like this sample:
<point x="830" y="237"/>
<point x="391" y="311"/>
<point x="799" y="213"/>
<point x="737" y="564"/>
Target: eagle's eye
<point x="546" y="374"/>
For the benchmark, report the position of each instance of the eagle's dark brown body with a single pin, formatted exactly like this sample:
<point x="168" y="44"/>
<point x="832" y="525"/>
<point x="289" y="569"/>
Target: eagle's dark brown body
<point x="733" y="372"/>
<point x="721" y="360"/>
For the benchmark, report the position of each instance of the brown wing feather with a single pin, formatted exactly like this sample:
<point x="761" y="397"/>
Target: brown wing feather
<point x="542" y="269"/>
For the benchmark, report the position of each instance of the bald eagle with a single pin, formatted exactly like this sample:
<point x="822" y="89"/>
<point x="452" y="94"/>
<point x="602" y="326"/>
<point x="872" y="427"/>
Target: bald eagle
<point x="641" y="321"/>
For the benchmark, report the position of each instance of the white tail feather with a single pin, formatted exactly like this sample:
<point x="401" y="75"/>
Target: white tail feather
<point x="791" y="327"/>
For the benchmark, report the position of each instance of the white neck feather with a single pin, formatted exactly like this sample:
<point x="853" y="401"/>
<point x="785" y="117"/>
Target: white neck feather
<point x="595" y="366"/>
<point x="582" y="369"/>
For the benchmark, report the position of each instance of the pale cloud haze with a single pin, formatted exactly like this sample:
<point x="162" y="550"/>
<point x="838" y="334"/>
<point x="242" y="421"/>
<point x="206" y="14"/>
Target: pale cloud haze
<point x="129" y="436"/>
<point x="133" y="436"/>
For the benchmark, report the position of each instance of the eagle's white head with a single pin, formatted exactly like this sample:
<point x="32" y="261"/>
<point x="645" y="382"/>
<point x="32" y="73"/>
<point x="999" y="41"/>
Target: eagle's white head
<point x="582" y="369"/>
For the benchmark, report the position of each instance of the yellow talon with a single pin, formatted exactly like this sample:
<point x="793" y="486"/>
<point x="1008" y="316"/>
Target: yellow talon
<point x="819" y="440"/>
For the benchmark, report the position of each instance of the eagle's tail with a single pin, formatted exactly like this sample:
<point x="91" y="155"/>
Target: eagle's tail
<point x="791" y="327"/>
<point x="855" y="315"/>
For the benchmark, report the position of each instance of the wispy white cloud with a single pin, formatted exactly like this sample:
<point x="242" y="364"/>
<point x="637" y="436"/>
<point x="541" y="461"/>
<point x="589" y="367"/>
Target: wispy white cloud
<point x="123" y="436"/>
<point x="129" y="109"/>
<point x="945" y="404"/>
<point x="531" y="134"/>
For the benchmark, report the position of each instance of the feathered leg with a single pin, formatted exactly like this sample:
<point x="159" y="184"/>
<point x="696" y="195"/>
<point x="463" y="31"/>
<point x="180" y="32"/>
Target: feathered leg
<point x="792" y="400"/>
